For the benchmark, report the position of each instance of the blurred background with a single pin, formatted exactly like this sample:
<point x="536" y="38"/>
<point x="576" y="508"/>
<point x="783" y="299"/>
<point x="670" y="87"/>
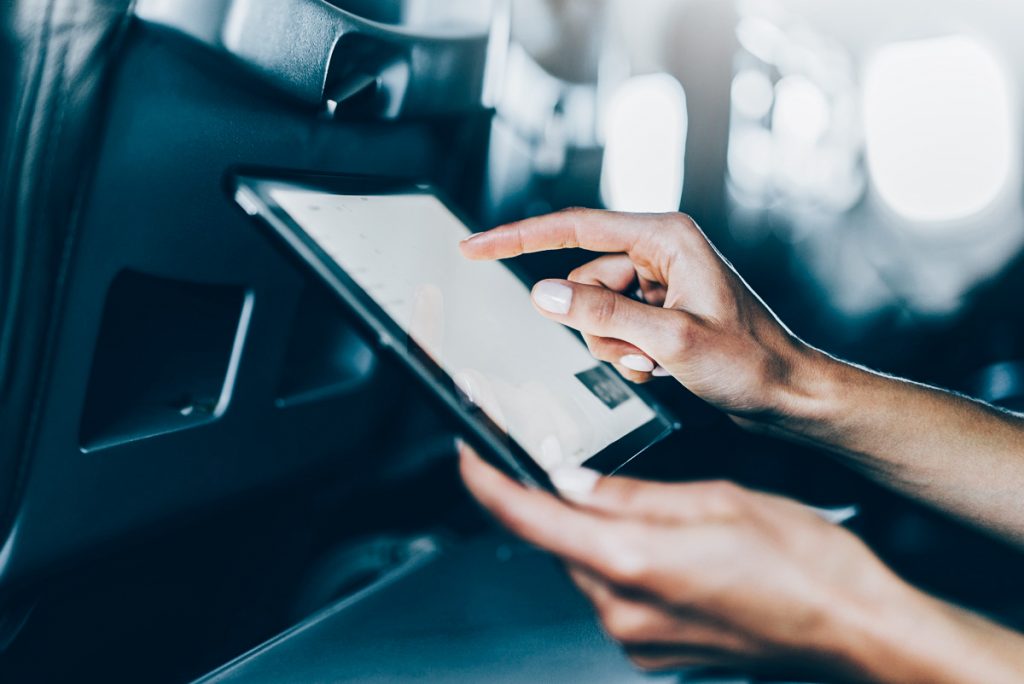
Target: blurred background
<point x="860" y="163"/>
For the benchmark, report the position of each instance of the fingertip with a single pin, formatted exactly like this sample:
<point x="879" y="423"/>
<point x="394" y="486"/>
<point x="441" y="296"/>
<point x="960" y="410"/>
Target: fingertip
<point x="575" y="484"/>
<point x="463" y="450"/>
<point x="471" y="467"/>
<point x="639" y="363"/>
<point x="470" y="246"/>
<point x="553" y="296"/>
<point x="633" y="376"/>
<point x="487" y="484"/>
<point x="470" y="463"/>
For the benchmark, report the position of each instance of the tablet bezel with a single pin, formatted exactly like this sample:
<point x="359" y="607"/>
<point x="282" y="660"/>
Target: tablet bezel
<point x="252" y="192"/>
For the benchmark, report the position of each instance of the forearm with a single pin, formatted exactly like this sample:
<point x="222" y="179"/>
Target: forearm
<point x="922" y="639"/>
<point x="949" y="451"/>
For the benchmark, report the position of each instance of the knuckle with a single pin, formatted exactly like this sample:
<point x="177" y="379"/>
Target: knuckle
<point x="520" y="238"/>
<point x="724" y="497"/>
<point x="625" y="495"/>
<point x="681" y="223"/>
<point x="604" y="307"/>
<point x="682" y="335"/>
<point x="684" y="220"/>
<point x="687" y="231"/>
<point x="576" y="216"/>
<point x="628" y="566"/>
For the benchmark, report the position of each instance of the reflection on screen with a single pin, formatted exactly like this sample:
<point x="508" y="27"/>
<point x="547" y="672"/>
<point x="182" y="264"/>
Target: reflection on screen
<point x="531" y="376"/>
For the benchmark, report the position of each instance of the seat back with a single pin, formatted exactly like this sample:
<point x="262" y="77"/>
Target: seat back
<point x="158" y="355"/>
<point x="54" y="60"/>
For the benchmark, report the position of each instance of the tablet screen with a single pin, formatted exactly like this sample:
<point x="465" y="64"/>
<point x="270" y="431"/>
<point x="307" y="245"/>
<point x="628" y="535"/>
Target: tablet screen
<point x="532" y="377"/>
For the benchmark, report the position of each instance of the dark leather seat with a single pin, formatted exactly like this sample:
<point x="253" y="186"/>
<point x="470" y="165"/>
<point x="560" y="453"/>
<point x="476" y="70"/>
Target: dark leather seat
<point x="55" y="58"/>
<point x="157" y="355"/>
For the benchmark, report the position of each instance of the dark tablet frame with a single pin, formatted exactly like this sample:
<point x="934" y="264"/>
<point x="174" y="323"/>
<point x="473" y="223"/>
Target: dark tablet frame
<point x="251" y="191"/>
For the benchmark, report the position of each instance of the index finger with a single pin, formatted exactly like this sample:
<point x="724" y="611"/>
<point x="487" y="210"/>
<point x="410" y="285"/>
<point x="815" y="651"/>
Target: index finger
<point x="596" y="231"/>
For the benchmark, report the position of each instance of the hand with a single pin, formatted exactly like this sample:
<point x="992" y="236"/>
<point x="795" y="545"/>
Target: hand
<point x="701" y="323"/>
<point x="713" y="574"/>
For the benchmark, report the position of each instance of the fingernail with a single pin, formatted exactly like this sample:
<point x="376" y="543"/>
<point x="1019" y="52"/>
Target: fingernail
<point x="551" y="457"/>
<point x="637" y="362"/>
<point x="469" y="237"/>
<point x="836" y="516"/>
<point x="575" y="484"/>
<point x="660" y="372"/>
<point x="553" y="297"/>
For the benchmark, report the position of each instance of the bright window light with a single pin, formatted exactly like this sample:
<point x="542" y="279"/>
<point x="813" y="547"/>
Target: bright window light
<point x="802" y="112"/>
<point x="645" y="143"/>
<point x="751" y="158"/>
<point x="752" y="94"/>
<point x="937" y="120"/>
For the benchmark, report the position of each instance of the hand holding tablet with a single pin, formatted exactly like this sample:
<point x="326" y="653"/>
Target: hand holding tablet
<point x="525" y="389"/>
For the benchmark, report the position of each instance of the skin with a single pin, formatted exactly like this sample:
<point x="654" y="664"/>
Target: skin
<point x="713" y="574"/>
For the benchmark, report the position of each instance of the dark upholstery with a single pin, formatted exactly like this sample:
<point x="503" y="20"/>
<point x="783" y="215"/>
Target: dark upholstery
<point x="159" y="357"/>
<point x="54" y="59"/>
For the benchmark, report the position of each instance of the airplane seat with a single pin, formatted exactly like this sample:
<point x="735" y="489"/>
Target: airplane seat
<point x="158" y="356"/>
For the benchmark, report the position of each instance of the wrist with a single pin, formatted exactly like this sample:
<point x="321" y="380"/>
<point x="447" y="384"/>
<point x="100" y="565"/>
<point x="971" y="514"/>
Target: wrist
<point x="876" y="635"/>
<point x="811" y="397"/>
<point x="908" y="636"/>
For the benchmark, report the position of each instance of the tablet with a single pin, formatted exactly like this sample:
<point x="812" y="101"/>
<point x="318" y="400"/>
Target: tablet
<point x="525" y="390"/>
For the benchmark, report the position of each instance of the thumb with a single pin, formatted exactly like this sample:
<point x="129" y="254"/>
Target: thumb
<point x="600" y="312"/>
<point x="687" y="503"/>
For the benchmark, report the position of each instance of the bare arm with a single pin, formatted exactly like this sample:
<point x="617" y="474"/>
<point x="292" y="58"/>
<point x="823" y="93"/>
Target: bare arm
<point x="712" y="574"/>
<point x="955" y="453"/>
<point x="707" y="328"/>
